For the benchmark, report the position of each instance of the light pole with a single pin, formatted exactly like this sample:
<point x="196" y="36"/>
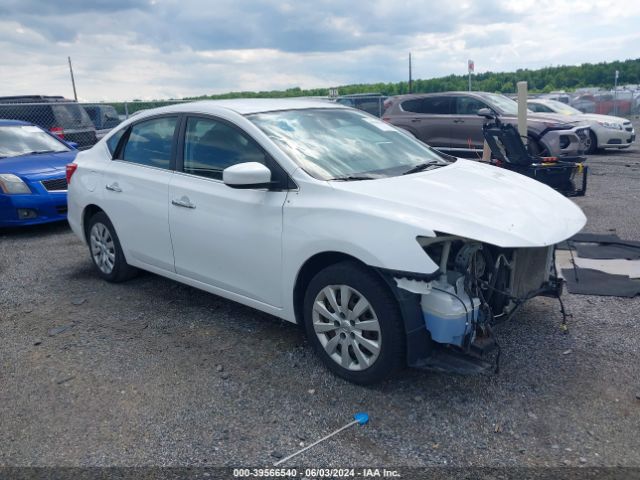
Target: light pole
<point x="470" y="68"/>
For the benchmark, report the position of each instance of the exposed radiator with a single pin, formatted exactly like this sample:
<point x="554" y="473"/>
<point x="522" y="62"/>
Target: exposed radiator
<point x="532" y="269"/>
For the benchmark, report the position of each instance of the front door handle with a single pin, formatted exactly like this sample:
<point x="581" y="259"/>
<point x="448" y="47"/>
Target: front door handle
<point x="183" y="202"/>
<point x="415" y="120"/>
<point x="114" y="187"/>
<point x="457" y="120"/>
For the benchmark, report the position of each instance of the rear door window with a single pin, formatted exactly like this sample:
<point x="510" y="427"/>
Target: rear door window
<point x="150" y="143"/>
<point x="429" y="105"/>
<point x="437" y="105"/>
<point x="468" y="105"/>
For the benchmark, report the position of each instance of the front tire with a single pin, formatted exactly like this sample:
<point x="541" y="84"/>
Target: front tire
<point x="106" y="252"/>
<point x="593" y="144"/>
<point x="354" y="324"/>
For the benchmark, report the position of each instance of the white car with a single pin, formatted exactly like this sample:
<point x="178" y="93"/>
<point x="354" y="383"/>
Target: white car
<point x="606" y="131"/>
<point x="324" y="216"/>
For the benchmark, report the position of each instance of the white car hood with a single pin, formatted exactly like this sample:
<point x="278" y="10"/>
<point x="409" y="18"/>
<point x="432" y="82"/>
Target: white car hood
<point x="594" y="117"/>
<point x="472" y="200"/>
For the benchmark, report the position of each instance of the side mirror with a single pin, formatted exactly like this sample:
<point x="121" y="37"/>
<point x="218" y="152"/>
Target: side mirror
<point x="486" y="113"/>
<point x="73" y="145"/>
<point x="247" y="175"/>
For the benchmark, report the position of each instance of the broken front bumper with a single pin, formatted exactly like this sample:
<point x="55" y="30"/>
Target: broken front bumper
<point x="565" y="143"/>
<point x="446" y="325"/>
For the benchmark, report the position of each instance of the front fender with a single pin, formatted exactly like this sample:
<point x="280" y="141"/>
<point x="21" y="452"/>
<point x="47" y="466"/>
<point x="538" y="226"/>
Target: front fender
<point x="376" y="240"/>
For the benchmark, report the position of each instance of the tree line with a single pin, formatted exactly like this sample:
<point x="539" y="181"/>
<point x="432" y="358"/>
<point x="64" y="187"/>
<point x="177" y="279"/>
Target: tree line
<point x="540" y="80"/>
<point x="547" y="79"/>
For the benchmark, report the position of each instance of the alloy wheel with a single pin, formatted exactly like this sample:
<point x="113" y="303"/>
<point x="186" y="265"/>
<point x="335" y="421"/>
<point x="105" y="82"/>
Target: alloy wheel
<point x="103" y="248"/>
<point x="347" y="327"/>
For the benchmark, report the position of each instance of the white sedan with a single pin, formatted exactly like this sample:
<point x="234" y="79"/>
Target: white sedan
<point x="606" y="131"/>
<point x="385" y="250"/>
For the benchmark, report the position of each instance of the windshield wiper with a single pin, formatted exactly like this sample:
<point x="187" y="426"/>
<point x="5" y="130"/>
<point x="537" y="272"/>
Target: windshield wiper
<point x="421" y="167"/>
<point x="348" y="178"/>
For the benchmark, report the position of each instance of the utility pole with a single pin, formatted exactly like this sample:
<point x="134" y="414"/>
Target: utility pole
<point x="470" y="69"/>
<point x="410" y="79"/>
<point x="73" y="82"/>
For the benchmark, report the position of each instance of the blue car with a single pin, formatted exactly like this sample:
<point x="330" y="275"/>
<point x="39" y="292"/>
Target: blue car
<point x="33" y="183"/>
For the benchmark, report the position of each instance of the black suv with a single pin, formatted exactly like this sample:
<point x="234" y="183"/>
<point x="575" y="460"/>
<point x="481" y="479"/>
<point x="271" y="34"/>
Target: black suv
<point x="60" y="116"/>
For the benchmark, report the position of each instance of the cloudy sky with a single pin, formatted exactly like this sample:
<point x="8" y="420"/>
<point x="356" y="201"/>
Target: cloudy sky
<point x="125" y="49"/>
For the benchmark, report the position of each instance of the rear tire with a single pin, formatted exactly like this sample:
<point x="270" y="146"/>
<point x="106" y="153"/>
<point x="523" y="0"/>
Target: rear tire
<point x="105" y="250"/>
<point x="354" y="323"/>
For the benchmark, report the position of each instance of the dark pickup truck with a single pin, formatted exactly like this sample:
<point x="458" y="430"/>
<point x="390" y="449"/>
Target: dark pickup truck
<point x="104" y="117"/>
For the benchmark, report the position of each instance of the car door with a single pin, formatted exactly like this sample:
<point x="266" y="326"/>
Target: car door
<point x="431" y="118"/>
<point x="222" y="236"/>
<point x="466" y="134"/>
<point x="136" y="184"/>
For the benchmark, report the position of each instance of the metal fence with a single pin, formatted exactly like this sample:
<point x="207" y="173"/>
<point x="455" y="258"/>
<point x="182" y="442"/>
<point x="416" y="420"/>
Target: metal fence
<point x="81" y="123"/>
<point x="85" y="123"/>
<point x="622" y="102"/>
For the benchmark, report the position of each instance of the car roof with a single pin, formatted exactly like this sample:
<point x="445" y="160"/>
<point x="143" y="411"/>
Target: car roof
<point x="434" y="94"/>
<point x="246" y="106"/>
<point x="34" y="99"/>
<point x="9" y="123"/>
<point x="358" y="95"/>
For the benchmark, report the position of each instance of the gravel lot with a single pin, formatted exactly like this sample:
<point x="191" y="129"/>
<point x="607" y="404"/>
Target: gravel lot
<point x="152" y="372"/>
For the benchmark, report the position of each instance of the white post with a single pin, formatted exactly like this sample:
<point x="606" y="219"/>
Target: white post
<point x="615" y="94"/>
<point x="486" y="152"/>
<point x="522" y="111"/>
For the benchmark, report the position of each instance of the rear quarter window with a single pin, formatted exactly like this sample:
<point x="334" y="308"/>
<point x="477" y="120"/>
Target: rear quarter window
<point x="71" y="116"/>
<point x="412" y="106"/>
<point x="112" y="141"/>
<point x="41" y="115"/>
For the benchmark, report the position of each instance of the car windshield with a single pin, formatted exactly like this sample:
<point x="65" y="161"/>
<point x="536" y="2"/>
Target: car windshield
<point x="332" y="144"/>
<point x="502" y="104"/>
<point x="562" y="108"/>
<point x="18" y="140"/>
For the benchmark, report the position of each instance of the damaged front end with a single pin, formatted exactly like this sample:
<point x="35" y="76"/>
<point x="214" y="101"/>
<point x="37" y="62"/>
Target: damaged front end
<point x="476" y="286"/>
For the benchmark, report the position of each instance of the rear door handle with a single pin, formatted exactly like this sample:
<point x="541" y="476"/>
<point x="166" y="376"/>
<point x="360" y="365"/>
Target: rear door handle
<point x="457" y="120"/>
<point x="114" y="187"/>
<point x="415" y="120"/>
<point x="183" y="202"/>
